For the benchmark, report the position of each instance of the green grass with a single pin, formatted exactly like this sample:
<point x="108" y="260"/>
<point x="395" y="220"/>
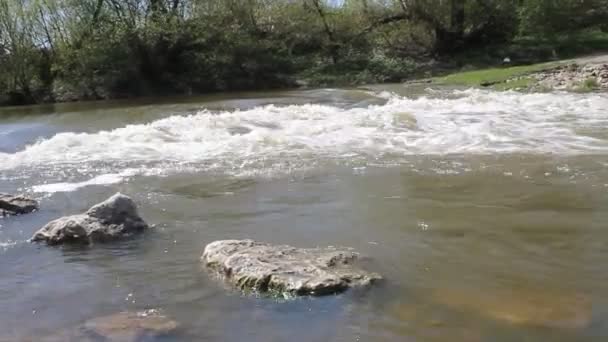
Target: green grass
<point x="587" y="85"/>
<point x="493" y="76"/>
<point x="522" y="83"/>
<point x="536" y="53"/>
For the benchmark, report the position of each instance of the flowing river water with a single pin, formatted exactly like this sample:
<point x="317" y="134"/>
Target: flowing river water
<point x="485" y="212"/>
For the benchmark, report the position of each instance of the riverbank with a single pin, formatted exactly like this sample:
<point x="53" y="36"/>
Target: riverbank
<point x="585" y="74"/>
<point x="535" y="65"/>
<point x="582" y="74"/>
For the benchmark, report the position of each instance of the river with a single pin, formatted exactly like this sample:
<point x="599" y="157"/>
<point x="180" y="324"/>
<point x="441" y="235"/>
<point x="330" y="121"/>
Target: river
<point x="485" y="212"/>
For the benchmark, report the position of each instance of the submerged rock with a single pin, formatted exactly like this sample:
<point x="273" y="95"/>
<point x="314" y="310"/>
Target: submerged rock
<point x="131" y="326"/>
<point x="112" y="219"/>
<point x="239" y="130"/>
<point x="16" y="205"/>
<point x="406" y="120"/>
<point x="286" y="270"/>
<point x="520" y="306"/>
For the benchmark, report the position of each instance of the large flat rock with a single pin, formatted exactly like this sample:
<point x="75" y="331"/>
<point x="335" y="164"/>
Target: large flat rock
<point x="16" y="205"/>
<point x="286" y="270"/>
<point x="115" y="218"/>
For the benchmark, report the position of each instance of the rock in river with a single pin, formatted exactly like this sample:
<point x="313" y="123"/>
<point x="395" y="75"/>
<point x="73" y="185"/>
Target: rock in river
<point x="286" y="270"/>
<point x="540" y="308"/>
<point x="112" y="219"/>
<point x="127" y="326"/>
<point x="131" y="326"/>
<point x="16" y="205"/>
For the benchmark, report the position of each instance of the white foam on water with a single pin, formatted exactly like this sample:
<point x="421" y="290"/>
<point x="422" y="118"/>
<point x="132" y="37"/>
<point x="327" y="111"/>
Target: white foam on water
<point x="467" y="122"/>
<point x="7" y="244"/>
<point x="105" y="179"/>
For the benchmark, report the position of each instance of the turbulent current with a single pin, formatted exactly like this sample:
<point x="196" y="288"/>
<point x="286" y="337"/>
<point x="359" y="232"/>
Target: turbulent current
<point x="484" y="212"/>
<point x="276" y="139"/>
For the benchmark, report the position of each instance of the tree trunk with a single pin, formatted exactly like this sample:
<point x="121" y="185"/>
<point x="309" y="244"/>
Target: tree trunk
<point x="333" y="48"/>
<point x="453" y="38"/>
<point x="457" y="17"/>
<point x="97" y="11"/>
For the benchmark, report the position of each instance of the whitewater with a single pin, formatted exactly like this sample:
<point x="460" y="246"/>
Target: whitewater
<point x="285" y="138"/>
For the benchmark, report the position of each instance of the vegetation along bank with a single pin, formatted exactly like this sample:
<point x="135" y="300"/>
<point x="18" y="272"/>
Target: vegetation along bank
<point x="67" y="50"/>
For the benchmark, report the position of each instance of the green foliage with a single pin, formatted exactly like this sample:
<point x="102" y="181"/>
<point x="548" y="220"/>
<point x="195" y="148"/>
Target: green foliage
<point x="550" y="17"/>
<point x="588" y="85"/>
<point x="354" y="69"/>
<point x="57" y="50"/>
<point x="522" y="83"/>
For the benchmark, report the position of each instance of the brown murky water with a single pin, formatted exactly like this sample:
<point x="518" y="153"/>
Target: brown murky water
<point x="485" y="212"/>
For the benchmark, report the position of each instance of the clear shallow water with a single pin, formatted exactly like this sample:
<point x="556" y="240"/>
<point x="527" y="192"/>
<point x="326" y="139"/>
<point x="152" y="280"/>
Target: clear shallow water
<point x="485" y="212"/>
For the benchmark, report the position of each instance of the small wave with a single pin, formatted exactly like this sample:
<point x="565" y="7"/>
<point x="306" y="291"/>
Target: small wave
<point x="106" y="179"/>
<point x="7" y="244"/>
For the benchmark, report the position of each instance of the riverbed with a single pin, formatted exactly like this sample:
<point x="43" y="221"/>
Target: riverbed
<point x="484" y="211"/>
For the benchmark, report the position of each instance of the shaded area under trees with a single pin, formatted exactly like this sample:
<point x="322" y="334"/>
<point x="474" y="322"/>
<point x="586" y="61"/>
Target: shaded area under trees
<point x="61" y="50"/>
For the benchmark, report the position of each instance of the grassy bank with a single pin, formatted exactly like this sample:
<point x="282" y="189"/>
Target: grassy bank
<point x="498" y="78"/>
<point x="532" y="54"/>
<point x="576" y="75"/>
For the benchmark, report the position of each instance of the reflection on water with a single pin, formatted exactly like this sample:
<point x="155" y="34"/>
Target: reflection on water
<point x="504" y="246"/>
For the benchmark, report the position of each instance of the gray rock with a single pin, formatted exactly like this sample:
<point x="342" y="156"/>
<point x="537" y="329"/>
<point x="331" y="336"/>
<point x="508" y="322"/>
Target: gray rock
<point x="286" y="270"/>
<point x="573" y="77"/>
<point x="16" y="205"/>
<point x="112" y="219"/>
